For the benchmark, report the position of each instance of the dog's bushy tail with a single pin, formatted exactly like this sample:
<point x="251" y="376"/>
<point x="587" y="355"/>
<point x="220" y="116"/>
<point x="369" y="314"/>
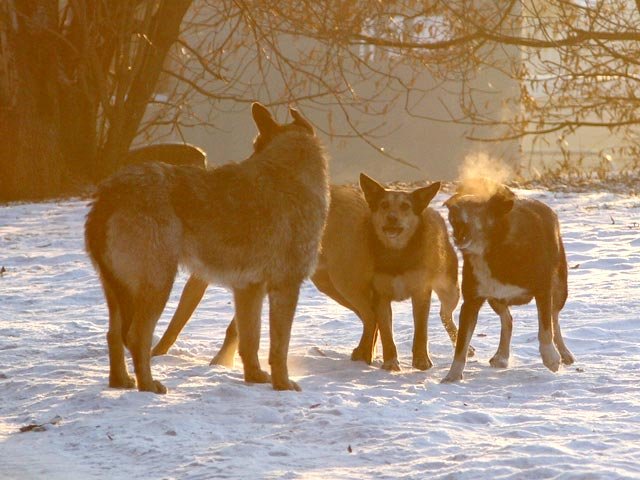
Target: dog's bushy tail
<point x="119" y="299"/>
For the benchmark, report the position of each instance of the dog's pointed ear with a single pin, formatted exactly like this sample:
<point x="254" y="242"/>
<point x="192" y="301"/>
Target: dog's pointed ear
<point x="298" y="119"/>
<point x="421" y="197"/>
<point x="452" y="202"/>
<point x="502" y="201"/>
<point x="372" y="190"/>
<point x="263" y="119"/>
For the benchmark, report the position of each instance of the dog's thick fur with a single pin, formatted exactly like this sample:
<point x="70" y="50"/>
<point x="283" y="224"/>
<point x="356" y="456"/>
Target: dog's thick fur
<point x="254" y="226"/>
<point x="512" y="252"/>
<point x="364" y="267"/>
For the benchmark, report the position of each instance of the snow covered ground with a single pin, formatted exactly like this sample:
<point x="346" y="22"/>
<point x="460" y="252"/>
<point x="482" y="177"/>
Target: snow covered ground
<point x="351" y="420"/>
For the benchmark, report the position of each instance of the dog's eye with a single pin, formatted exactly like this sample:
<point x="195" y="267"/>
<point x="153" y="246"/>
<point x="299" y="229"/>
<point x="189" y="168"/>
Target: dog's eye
<point x="404" y="207"/>
<point x="384" y="205"/>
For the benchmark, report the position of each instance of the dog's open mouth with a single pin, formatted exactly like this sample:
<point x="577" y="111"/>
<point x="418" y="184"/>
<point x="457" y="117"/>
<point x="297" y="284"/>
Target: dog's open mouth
<point x="392" y="232"/>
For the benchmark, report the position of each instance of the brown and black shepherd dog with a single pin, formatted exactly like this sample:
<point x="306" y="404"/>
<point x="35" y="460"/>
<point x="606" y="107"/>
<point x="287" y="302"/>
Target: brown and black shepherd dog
<point x="383" y="246"/>
<point x="512" y="252"/>
<point x="254" y="227"/>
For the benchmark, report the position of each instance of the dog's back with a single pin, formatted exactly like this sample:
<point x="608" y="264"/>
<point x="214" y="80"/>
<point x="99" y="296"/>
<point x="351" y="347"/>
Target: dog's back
<point x="532" y="236"/>
<point x="239" y="223"/>
<point x="256" y="221"/>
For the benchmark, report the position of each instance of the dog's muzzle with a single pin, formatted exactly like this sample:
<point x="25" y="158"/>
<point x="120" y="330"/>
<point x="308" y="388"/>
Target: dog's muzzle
<point x="463" y="243"/>
<point x="461" y="238"/>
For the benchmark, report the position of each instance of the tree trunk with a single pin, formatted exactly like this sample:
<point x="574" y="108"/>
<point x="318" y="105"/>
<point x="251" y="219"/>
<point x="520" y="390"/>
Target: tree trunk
<point x="31" y="159"/>
<point x="165" y="28"/>
<point x="55" y="82"/>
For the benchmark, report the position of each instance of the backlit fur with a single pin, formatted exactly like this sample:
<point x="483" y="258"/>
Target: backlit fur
<point x="512" y="252"/>
<point x="254" y="227"/>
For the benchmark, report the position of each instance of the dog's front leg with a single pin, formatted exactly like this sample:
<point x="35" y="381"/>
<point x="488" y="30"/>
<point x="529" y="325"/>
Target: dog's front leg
<point x="282" y="307"/>
<point x="548" y="351"/>
<point x="468" y="319"/>
<point x="421" y="304"/>
<point x="248" y="305"/>
<point x="384" y="319"/>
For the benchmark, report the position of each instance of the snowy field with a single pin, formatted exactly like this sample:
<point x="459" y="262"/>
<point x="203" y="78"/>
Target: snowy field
<point x="351" y="421"/>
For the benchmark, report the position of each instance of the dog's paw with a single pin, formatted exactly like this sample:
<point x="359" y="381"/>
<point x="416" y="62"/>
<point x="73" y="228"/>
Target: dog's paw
<point x="550" y="357"/>
<point x="451" y="378"/>
<point x="154" y="387"/>
<point x="222" y="360"/>
<point x="392" y="365"/>
<point x="359" y="355"/>
<point x="567" y="356"/>
<point x="286" y="385"/>
<point x="257" y="376"/>
<point x="471" y="351"/>
<point x="160" y="388"/>
<point x="159" y="350"/>
<point x="499" y="361"/>
<point x="422" y="363"/>
<point x="125" y="381"/>
<point x="455" y="372"/>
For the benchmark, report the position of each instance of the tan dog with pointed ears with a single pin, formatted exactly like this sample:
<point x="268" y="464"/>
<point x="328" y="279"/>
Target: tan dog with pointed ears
<point x="253" y="226"/>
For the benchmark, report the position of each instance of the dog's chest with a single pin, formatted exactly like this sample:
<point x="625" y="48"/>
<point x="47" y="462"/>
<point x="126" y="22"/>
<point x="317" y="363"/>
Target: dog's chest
<point x="396" y="287"/>
<point x="488" y="286"/>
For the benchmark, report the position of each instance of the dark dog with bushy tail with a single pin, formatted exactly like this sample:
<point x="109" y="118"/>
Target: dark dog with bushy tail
<point x="253" y="226"/>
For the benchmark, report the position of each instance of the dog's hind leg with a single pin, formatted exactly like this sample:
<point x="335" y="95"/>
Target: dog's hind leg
<point x="118" y="375"/>
<point x="283" y="299"/>
<point x="191" y="295"/>
<point x="548" y="352"/>
<point x="148" y="306"/>
<point x="248" y="305"/>
<point x="229" y="347"/>
<point x="501" y="357"/>
<point x="565" y="353"/>
<point x="366" y="348"/>
<point x="559" y="298"/>
<point x="360" y="302"/>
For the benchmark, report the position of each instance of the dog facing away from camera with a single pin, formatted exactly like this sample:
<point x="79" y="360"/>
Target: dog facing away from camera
<point x="383" y="246"/>
<point x="254" y="227"/>
<point x="512" y="253"/>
